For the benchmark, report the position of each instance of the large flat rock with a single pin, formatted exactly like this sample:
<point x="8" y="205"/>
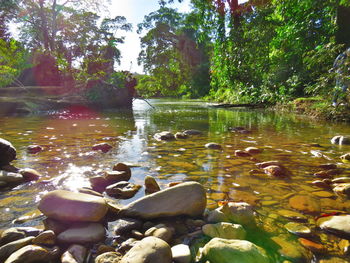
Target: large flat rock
<point x="69" y="206"/>
<point x="184" y="199"/>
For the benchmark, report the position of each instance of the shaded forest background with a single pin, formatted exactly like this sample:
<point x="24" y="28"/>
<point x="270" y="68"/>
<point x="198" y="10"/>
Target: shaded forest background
<point x="261" y="51"/>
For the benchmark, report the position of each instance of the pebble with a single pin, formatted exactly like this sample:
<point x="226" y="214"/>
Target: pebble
<point x="298" y="229"/>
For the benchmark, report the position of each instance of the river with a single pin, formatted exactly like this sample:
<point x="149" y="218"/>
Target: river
<point x="67" y="160"/>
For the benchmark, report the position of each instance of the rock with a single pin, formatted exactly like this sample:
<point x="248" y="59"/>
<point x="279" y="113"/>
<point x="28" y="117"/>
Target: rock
<point x="181" y="253"/>
<point x="83" y="233"/>
<point x="183" y="199"/>
<point x="341" y="140"/>
<point x="69" y="206"/>
<point x="33" y="254"/>
<point x="345" y="157"/>
<point x="276" y="171"/>
<point x="74" y="254"/>
<point x="292" y="215"/>
<point x="333" y="260"/>
<point x="113" y="206"/>
<point x="149" y="250"/>
<point x="11" y="178"/>
<point x="291" y="250"/>
<point x="192" y="132"/>
<point x="113" y="177"/>
<point x="55" y="225"/>
<point x="305" y="203"/>
<point x="151" y="185"/>
<point x="240" y="153"/>
<point x="341" y="180"/>
<point x="312" y="246"/>
<point x="219" y="250"/>
<point x="103" y="147"/>
<point x="338" y="225"/>
<point x="127" y="245"/>
<point x="7" y="152"/>
<point x="9" y="248"/>
<point x="266" y="164"/>
<point x="298" y="229"/>
<point x="240" y="130"/>
<point x="237" y="212"/>
<point x="89" y="191"/>
<point x="342" y="190"/>
<point x="321" y="184"/>
<point x="122" y="190"/>
<point x="122" y="167"/>
<point x="109" y="257"/>
<point x="98" y="183"/>
<point x="16" y="233"/>
<point x="9" y="168"/>
<point x="164" y="136"/>
<point x="161" y="231"/>
<point x="181" y="135"/>
<point x="33" y="149"/>
<point x="125" y="225"/>
<point x="224" y="230"/>
<point x="47" y="238"/>
<point x="30" y="174"/>
<point x="253" y="150"/>
<point x="213" y="146"/>
<point x="328" y="166"/>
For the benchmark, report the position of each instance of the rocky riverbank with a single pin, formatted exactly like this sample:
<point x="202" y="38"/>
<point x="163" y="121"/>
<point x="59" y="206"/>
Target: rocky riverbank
<point x="175" y="223"/>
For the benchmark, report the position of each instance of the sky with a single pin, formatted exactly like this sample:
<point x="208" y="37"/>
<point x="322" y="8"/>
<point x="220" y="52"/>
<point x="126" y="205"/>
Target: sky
<point x="134" y="12"/>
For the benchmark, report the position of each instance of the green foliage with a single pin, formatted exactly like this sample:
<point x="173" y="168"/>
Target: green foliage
<point x="12" y="61"/>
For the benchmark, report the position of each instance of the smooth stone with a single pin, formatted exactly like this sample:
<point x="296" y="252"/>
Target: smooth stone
<point x="9" y="248"/>
<point x="125" y="225"/>
<point x="83" y="233"/>
<point x="164" y="136"/>
<point x="276" y="171"/>
<point x="16" y="233"/>
<point x="161" y="231"/>
<point x="47" y="237"/>
<point x="11" y="178"/>
<point x="312" y="246"/>
<point x="122" y="190"/>
<point x="149" y="249"/>
<point x="30" y="174"/>
<point x="224" y="230"/>
<point x="323" y="194"/>
<point x="328" y="166"/>
<point x="74" y="254"/>
<point x="219" y="250"/>
<point x="342" y="190"/>
<point x="113" y="177"/>
<point x="292" y="250"/>
<point x="103" y="147"/>
<point x="7" y="152"/>
<point x="181" y="135"/>
<point x="341" y="180"/>
<point x="338" y="225"/>
<point x="298" y="229"/>
<point x="292" y="215"/>
<point x="127" y="245"/>
<point x="89" y="191"/>
<point x="238" y="212"/>
<point x="344" y="140"/>
<point x="305" y="203"/>
<point x="192" y="132"/>
<point x="187" y="198"/>
<point x="253" y="150"/>
<point x="9" y="168"/>
<point x="122" y="167"/>
<point x="151" y="185"/>
<point x="108" y="257"/>
<point x="69" y="206"/>
<point x="33" y="149"/>
<point x="268" y="163"/>
<point x="55" y="225"/>
<point x="321" y="184"/>
<point x="113" y="207"/>
<point x="181" y="253"/>
<point x="240" y="153"/>
<point x="33" y="254"/>
<point x="98" y="183"/>
<point x="213" y="146"/>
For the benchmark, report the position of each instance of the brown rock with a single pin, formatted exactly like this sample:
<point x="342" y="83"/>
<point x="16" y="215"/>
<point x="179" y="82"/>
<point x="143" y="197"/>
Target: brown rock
<point x="305" y="204"/>
<point x="311" y="245"/>
<point x="103" y="147"/>
<point x="240" y="153"/>
<point x="151" y="185"/>
<point x="253" y="150"/>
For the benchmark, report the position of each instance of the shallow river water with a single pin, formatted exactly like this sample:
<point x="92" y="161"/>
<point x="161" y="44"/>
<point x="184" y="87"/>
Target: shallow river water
<point x="300" y="144"/>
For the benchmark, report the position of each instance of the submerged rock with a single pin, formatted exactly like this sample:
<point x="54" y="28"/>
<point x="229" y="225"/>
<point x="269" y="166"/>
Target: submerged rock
<point x="342" y="190"/>
<point x="292" y="250"/>
<point x="33" y="149"/>
<point x="103" y="147"/>
<point x="213" y="146"/>
<point x="183" y="199"/>
<point x="192" y="132"/>
<point x="298" y="229"/>
<point x="149" y="249"/>
<point x="7" y="152"/>
<point x="164" y="136"/>
<point x="224" y="230"/>
<point x="123" y="190"/>
<point x="69" y="206"/>
<point x="181" y="135"/>
<point x="305" y="203"/>
<point x="219" y="250"/>
<point x="11" y="178"/>
<point x="341" y="140"/>
<point x="30" y="174"/>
